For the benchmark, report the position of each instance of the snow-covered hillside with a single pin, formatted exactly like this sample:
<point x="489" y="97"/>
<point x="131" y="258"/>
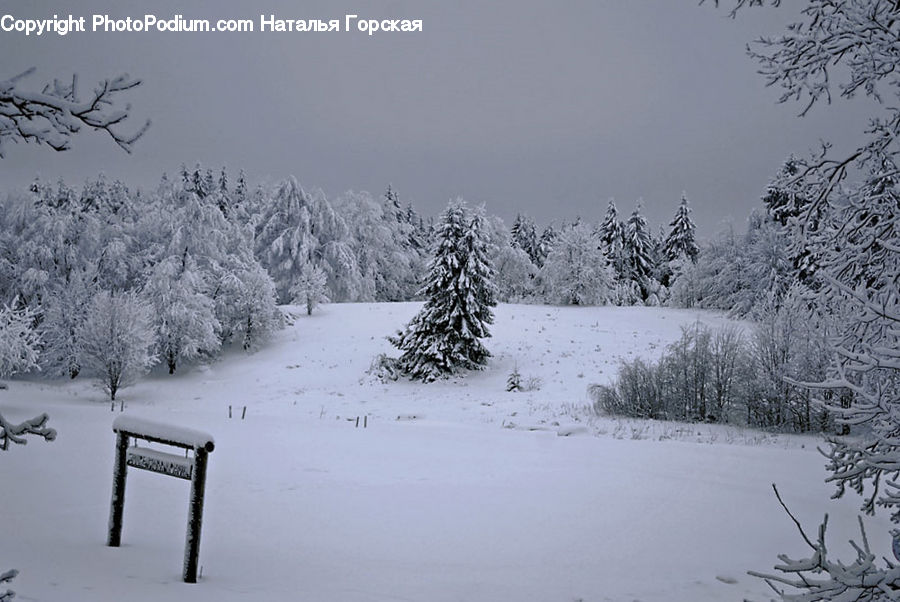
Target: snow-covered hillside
<point x="455" y="490"/>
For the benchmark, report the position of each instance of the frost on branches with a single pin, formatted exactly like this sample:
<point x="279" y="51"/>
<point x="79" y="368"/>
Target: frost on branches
<point x="853" y="231"/>
<point x="444" y="337"/>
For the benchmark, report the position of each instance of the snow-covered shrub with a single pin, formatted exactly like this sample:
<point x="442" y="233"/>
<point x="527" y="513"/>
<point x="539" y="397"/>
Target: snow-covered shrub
<point x="720" y="376"/>
<point x="384" y="368"/>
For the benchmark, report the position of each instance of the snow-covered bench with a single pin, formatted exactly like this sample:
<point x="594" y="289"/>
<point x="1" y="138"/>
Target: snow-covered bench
<point x="182" y="466"/>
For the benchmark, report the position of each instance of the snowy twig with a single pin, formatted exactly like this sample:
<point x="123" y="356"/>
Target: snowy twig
<point x="16" y="432"/>
<point x="54" y="114"/>
<point x="6" y="578"/>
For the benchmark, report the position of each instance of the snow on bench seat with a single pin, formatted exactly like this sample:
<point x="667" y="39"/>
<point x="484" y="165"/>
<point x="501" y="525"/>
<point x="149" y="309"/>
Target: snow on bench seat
<point x="163" y="433"/>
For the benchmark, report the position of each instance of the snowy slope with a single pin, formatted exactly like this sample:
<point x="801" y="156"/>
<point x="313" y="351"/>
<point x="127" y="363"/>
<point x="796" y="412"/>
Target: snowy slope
<point x="469" y="495"/>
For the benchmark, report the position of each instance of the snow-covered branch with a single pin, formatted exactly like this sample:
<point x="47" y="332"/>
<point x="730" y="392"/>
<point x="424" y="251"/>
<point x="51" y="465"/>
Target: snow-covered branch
<point x="7" y="577"/>
<point x="54" y="114"/>
<point x="17" y="432"/>
<point x="820" y="578"/>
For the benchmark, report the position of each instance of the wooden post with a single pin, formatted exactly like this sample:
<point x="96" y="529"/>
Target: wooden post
<point x="117" y="502"/>
<point x="195" y="516"/>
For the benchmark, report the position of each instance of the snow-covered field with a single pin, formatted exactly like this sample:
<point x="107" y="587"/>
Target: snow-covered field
<point x="456" y="490"/>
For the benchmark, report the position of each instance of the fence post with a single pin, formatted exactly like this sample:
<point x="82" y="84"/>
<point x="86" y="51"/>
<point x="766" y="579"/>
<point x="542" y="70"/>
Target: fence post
<point x="195" y="516"/>
<point x="117" y="503"/>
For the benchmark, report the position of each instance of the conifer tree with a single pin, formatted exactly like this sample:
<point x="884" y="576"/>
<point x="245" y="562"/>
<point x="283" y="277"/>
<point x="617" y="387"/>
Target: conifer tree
<point x="611" y="231"/>
<point x="545" y="244"/>
<point x="611" y="234"/>
<point x="783" y="201"/>
<point x="638" y="246"/>
<point x="680" y="241"/>
<point x="523" y="236"/>
<point x="444" y="336"/>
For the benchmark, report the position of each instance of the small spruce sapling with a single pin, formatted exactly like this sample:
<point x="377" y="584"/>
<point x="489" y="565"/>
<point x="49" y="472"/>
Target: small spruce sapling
<point x="514" y="381"/>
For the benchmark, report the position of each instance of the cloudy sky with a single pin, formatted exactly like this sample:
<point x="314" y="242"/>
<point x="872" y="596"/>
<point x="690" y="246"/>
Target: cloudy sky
<point x="529" y="106"/>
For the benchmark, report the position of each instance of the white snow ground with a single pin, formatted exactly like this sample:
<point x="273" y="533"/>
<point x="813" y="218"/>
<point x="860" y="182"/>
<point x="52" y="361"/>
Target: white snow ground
<point x="456" y="491"/>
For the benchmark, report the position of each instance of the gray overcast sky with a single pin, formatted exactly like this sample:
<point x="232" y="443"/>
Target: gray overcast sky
<point x="543" y="107"/>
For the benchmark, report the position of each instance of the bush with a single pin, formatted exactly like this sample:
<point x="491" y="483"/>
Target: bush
<point x="719" y="376"/>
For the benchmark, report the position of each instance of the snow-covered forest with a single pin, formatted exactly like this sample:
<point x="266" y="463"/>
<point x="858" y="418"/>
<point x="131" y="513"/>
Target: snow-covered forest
<point x="202" y="262"/>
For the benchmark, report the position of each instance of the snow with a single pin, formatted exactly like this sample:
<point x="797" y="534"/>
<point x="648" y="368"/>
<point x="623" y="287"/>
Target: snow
<point x="177" y="435"/>
<point x="454" y="490"/>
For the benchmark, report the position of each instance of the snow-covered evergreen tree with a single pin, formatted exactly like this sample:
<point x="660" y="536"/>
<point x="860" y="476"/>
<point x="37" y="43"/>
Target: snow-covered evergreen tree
<point x="680" y="242"/>
<point x="784" y="201"/>
<point x="311" y="288"/>
<point x="523" y="235"/>
<point x="545" y="244"/>
<point x="117" y="339"/>
<point x="611" y="231"/>
<point x="445" y="336"/>
<point x="638" y="251"/>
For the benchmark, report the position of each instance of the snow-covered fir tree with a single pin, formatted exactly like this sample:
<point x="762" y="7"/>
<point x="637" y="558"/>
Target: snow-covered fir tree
<point x="545" y="244"/>
<point x="523" y="235"/>
<point x="445" y="336"/>
<point x="638" y="251"/>
<point x="782" y="200"/>
<point x="611" y="231"/>
<point x="680" y="242"/>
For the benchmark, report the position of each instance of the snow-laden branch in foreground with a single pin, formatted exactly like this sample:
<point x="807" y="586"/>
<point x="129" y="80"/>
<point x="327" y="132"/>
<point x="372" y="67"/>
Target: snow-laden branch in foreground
<point x="6" y="577"/>
<point x="54" y="114"/>
<point x="17" y="432"/>
<point x="818" y="578"/>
